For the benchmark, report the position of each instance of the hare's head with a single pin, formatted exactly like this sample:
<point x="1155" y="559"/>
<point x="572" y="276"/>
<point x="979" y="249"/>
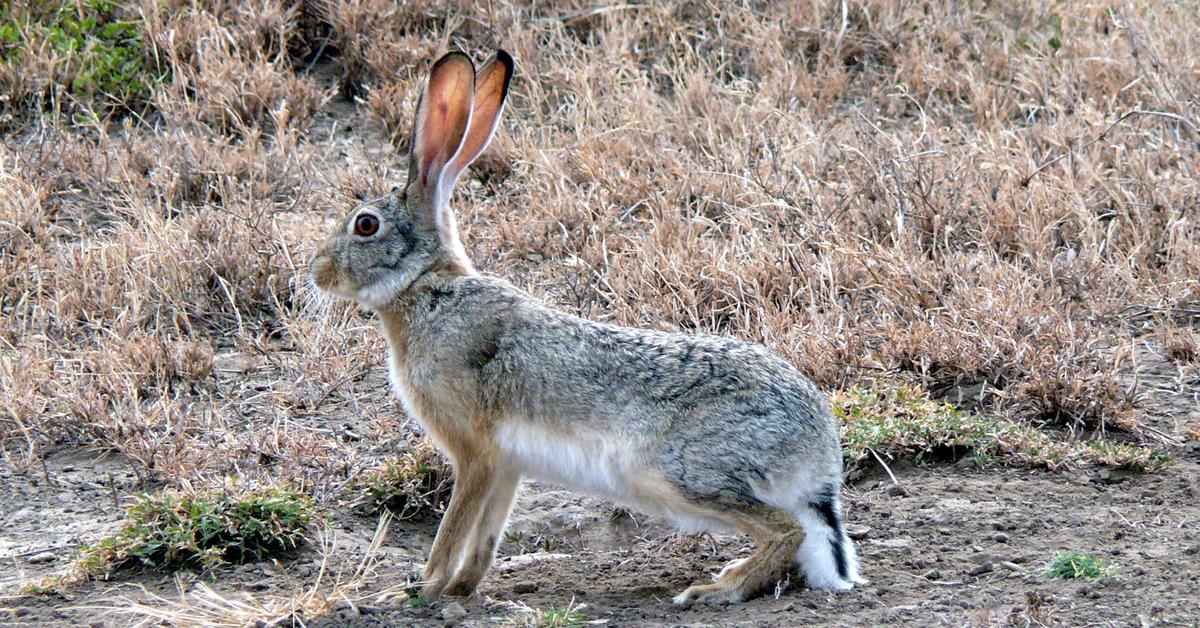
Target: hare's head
<point x="384" y="245"/>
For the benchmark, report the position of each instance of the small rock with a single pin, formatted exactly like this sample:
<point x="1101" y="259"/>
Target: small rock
<point x="520" y="561"/>
<point x="1000" y="537"/>
<point x="525" y="587"/>
<point x="1104" y="476"/>
<point x="40" y="557"/>
<point x="981" y="569"/>
<point x="859" y="533"/>
<point x="932" y="574"/>
<point x="897" y="491"/>
<point x="1195" y="549"/>
<point x="1011" y="566"/>
<point x="453" y="613"/>
<point x="364" y="609"/>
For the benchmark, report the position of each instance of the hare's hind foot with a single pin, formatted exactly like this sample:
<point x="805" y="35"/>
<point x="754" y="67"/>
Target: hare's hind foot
<point x="709" y="594"/>
<point x="744" y="578"/>
<point x="734" y="564"/>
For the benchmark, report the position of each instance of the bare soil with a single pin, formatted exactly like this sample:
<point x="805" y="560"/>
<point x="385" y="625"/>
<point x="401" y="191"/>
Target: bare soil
<point x="953" y="544"/>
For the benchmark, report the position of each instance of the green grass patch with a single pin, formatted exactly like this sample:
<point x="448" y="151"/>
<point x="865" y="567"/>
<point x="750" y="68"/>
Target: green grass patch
<point x="569" y="616"/>
<point x="89" y="48"/>
<point x="1074" y="565"/>
<point x="561" y="617"/>
<point x="901" y="421"/>
<point x="417" y="482"/>
<point x="174" y="530"/>
<point x="416" y="599"/>
<point x="46" y="587"/>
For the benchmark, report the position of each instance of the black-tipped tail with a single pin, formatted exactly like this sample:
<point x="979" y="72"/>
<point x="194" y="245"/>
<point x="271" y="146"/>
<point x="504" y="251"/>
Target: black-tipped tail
<point x="826" y="505"/>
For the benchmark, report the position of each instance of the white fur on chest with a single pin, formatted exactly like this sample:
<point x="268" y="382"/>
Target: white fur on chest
<point x="400" y="385"/>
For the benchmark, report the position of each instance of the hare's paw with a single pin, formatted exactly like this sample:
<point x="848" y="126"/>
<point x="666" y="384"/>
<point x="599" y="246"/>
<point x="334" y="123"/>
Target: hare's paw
<point x="433" y="588"/>
<point x="709" y="594"/>
<point x="460" y="588"/>
<point x="728" y="568"/>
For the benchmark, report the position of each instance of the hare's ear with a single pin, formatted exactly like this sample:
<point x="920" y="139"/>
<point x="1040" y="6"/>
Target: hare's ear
<point x="443" y="117"/>
<point x="491" y="90"/>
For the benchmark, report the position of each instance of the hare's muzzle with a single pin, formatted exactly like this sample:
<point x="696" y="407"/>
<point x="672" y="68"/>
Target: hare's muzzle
<point x="323" y="272"/>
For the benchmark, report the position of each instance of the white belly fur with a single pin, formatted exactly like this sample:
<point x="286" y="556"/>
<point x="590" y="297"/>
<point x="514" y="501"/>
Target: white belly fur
<point x="591" y="463"/>
<point x="582" y="461"/>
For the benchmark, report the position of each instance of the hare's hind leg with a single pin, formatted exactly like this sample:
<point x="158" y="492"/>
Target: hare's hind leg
<point x="480" y="551"/>
<point x="778" y="536"/>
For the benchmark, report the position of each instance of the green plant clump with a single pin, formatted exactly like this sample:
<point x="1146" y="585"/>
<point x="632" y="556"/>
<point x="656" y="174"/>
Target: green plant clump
<point x="1072" y="565"/>
<point x="175" y="530"/>
<point x="898" y="420"/>
<point x="94" y="53"/>
<point x="561" y="617"/>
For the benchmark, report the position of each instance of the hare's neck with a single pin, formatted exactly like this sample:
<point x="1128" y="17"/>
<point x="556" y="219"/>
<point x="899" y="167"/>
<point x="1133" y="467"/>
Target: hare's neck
<point x="409" y="306"/>
<point x="395" y="330"/>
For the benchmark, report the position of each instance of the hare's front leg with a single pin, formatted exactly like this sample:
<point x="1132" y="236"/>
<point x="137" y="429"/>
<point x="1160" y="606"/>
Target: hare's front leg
<point x="480" y="551"/>
<point x="472" y="484"/>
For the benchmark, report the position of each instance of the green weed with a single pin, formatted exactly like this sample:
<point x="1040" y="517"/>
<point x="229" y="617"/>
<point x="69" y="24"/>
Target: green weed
<point x="561" y="617"/>
<point x="1077" y="565"/>
<point x="569" y="616"/>
<point x="541" y="540"/>
<point x="174" y="530"/>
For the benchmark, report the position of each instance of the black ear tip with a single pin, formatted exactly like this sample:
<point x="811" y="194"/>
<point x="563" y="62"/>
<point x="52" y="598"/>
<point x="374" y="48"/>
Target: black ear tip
<point x="503" y="57"/>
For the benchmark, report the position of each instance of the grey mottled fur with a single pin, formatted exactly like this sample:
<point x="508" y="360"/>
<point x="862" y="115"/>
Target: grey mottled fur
<point x="723" y="413"/>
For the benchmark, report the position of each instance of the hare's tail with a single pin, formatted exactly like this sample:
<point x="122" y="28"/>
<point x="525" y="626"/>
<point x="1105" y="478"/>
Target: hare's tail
<point x="827" y="555"/>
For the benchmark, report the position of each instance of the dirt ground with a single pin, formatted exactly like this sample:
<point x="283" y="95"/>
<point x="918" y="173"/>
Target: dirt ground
<point x="956" y="545"/>
<point x="948" y="543"/>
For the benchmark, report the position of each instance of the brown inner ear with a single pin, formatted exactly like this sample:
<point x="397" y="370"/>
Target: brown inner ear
<point x="491" y="86"/>
<point x="444" y="114"/>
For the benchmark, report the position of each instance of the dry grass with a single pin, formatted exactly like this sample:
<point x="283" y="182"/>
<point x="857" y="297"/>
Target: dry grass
<point x="989" y="197"/>
<point x="203" y="606"/>
<point x="416" y="482"/>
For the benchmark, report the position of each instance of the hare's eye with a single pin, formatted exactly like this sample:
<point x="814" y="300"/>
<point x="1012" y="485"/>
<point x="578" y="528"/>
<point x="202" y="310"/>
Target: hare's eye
<point x="366" y="225"/>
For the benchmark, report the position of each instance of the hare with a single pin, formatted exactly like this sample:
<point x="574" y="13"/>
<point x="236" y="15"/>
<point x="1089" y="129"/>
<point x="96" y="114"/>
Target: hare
<point x="711" y="433"/>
